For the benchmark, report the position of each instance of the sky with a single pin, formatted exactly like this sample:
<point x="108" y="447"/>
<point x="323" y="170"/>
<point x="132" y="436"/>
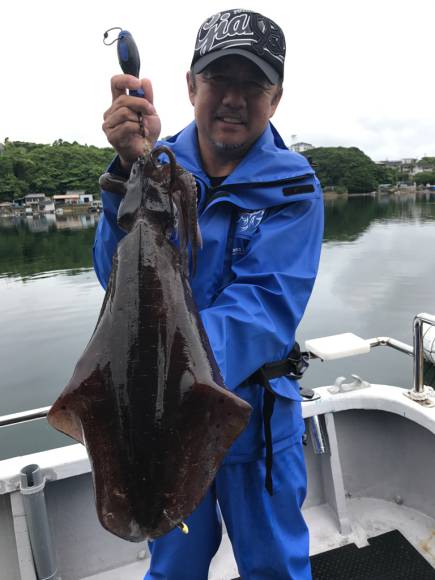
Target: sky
<point x="357" y="73"/>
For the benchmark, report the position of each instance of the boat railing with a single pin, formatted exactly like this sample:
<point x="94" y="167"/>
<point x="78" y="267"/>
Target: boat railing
<point x="24" y="416"/>
<point x="419" y="392"/>
<point x="419" y="320"/>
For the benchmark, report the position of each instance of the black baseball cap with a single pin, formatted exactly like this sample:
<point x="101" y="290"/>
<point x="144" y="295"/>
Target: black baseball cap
<point x="245" y="33"/>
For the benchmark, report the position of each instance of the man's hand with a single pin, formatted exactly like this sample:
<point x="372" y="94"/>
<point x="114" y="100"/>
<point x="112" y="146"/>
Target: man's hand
<point x="130" y="118"/>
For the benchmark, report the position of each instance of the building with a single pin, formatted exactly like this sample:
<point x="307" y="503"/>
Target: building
<point x="425" y="165"/>
<point x="301" y="147"/>
<point x="34" y="199"/>
<point x="96" y="205"/>
<point x="67" y="199"/>
<point x="74" y="198"/>
<point x="407" y="167"/>
<point x="38" y="203"/>
<point x="83" y="196"/>
<point x="390" y="164"/>
<point x="86" y="198"/>
<point x="6" y="208"/>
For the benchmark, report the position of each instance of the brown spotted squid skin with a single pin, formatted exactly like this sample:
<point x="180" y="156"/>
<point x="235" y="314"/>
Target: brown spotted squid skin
<point x="146" y="396"/>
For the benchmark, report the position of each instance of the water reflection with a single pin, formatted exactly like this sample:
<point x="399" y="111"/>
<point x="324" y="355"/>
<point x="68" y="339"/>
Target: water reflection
<point x="47" y="243"/>
<point x="346" y="219"/>
<point x="45" y="222"/>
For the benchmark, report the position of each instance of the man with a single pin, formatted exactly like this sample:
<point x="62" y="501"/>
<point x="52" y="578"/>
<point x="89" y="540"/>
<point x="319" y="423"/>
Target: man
<point x="261" y="219"/>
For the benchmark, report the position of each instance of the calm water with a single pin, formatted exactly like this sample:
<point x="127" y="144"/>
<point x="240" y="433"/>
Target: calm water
<point x="377" y="272"/>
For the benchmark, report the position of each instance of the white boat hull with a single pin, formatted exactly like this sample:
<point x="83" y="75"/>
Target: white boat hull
<point x="377" y="476"/>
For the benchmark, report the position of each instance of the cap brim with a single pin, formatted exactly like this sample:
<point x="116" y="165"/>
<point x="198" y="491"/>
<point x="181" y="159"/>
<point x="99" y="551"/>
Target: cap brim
<point x="265" y="67"/>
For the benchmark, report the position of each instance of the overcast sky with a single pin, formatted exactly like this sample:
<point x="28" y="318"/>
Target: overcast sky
<point x="357" y="73"/>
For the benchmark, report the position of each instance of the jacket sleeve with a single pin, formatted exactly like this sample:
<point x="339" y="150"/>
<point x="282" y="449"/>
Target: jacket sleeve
<point x="253" y="321"/>
<point x="107" y="237"/>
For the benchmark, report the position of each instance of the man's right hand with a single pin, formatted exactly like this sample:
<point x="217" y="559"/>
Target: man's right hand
<point x="121" y="121"/>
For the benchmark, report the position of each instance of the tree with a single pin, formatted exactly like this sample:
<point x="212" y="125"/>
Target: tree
<point x="50" y="169"/>
<point x="427" y="163"/>
<point x="346" y="168"/>
<point x="425" y="177"/>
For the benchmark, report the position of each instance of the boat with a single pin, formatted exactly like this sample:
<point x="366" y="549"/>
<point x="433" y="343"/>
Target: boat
<point x="370" y="451"/>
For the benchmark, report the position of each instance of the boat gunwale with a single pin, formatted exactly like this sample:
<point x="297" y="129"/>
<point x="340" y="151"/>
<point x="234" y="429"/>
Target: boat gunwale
<point x="71" y="461"/>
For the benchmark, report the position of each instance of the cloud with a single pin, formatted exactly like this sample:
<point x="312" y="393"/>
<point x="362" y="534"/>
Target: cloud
<point x="380" y="137"/>
<point x="356" y="74"/>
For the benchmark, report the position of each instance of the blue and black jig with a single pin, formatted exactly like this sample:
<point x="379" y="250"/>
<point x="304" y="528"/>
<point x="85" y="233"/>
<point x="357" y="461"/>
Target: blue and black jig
<point x="129" y="59"/>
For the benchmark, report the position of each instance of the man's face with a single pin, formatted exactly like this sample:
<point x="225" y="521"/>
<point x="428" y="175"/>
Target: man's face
<point x="233" y="103"/>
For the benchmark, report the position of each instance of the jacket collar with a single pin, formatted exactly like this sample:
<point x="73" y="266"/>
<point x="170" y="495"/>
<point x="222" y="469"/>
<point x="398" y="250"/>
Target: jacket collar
<point x="267" y="162"/>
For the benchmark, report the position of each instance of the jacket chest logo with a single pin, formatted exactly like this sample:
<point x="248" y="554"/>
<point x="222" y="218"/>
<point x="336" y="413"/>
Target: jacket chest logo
<point x="248" y="222"/>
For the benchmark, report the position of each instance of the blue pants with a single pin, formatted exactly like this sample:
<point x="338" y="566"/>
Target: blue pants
<point x="268" y="533"/>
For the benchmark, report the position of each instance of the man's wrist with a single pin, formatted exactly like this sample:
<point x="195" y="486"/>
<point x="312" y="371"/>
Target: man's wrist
<point x="120" y="167"/>
<point x="113" y="183"/>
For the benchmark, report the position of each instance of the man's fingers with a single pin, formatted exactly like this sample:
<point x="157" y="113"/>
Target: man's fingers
<point x="128" y="138"/>
<point x="148" y="90"/>
<point x="131" y="119"/>
<point x="136" y="104"/>
<point x="119" y="85"/>
<point x="116" y="117"/>
<point x="125" y="124"/>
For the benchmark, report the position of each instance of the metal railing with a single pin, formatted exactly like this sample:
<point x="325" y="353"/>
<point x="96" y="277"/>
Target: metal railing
<point x="24" y="416"/>
<point x="419" y="320"/>
<point x="418" y="392"/>
<point x="393" y="343"/>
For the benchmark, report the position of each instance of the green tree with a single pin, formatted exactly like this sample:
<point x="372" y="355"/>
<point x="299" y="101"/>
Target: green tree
<point x="345" y="168"/>
<point x="427" y="163"/>
<point x="9" y="184"/>
<point x="50" y="169"/>
<point x="425" y="177"/>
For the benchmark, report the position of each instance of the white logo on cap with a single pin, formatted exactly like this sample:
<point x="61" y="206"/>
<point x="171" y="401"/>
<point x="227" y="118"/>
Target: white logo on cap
<point x="221" y="28"/>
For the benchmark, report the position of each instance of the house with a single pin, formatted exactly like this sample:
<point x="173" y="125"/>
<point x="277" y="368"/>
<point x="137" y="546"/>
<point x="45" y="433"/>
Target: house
<point x="390" y="164"/>
<point x="67" y="199"/>
<point x="48" y="206"/>
<point x="74" y="197"/>
<point x="406" y="167"/>
<point x="407" y="164"/>
<point x="96" y="205"/>
<point x="6" y="208"/>
<point x="301" y="147"/>
<point x="33" y="200"/>
<point x="86" y="198"/>
<point x="83" y="196"/>
<point x="38" y="203"/>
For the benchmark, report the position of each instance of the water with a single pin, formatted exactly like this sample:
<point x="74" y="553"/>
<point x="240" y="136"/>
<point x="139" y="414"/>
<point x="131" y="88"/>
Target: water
<point x="49" y="303"/>
<point x="377" y="271"/>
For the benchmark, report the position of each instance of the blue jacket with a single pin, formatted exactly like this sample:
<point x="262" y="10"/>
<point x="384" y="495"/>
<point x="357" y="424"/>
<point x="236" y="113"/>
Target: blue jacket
<point x="262" y="231"/>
